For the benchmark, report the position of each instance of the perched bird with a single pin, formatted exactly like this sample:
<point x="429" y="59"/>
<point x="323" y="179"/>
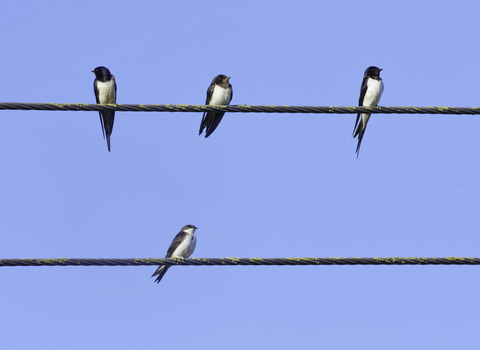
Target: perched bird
<point x="105" y="89"/>
<point x="182" y="246"/>
<point x="370" y="93"/>
<point x="220" y="92"/>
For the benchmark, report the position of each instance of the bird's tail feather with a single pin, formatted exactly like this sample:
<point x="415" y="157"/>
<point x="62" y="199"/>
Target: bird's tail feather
<point x="355" y="128"/>
<point x="107" y="125"/>
<point x="213" y="125"/>
<point x="360" y="138"/>
<point x="360" y="127"/>
<point x="101" y="123"/>
<point x="202" y="124"/>
<point x="161" y="271"/>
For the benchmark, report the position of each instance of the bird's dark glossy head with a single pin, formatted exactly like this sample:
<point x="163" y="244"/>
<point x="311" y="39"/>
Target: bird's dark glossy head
<point x="189" y="228"/>
<point x="372" y="72"/>
<point x="220" y="79"/>
<point x="101" y="72"/>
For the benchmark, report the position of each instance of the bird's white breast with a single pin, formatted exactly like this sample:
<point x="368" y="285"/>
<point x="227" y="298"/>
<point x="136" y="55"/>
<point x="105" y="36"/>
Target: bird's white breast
<point x="374" y="92"/>
<point x="221" y="96"/>
<point x="186" y="248"/>
<point x="106" y="91"/>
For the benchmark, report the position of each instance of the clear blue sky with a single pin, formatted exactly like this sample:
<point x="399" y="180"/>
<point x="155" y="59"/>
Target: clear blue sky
<point x="263" y="185"/>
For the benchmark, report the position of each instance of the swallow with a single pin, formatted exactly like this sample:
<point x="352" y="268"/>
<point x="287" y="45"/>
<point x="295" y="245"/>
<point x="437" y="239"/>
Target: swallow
<point x="182" y="246"/>
<point x="370" y="93"/>
<point x="105" y="89"/>
<point x="220" y="92"/>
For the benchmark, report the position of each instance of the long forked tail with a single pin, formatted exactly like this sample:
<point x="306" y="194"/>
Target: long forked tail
<point x="360" y="138"/>
<point x="108" y="142"/>
<point x="217" y="118"/>
<point x="360" y="127"/>
<point x="107" y="125"/>
<point x="355" y="128"/>
<point x="202" y="123"/>
<point x="161" y="271"/>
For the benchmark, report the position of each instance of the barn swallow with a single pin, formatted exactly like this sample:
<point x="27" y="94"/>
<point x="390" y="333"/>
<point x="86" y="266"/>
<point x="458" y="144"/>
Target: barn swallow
<point x="182" y="246"/>
<point x="105" y="89"/>
<point x="220" y="92"/>
<point x="370" y="93"/>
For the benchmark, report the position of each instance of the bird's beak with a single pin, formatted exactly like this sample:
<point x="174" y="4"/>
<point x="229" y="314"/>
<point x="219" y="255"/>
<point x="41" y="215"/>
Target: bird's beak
<point x="227" y="79"/>
<point x="380" y="69"/>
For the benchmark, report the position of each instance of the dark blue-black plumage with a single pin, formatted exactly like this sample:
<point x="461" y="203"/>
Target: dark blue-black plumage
<point x="105" y="89"/>
<point x="220" y="92"/>
<point x="370" y="94"/>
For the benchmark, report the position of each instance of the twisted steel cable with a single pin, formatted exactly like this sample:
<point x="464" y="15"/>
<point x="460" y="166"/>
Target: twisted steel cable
<point x="237" y="108"/>
<point x="240" y="261"/>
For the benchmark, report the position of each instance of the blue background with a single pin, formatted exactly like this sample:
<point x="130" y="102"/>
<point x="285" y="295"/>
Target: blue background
<point x="263" y="185"/>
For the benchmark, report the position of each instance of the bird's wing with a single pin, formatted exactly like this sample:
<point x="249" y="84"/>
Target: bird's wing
<point x="363" y="91"/>
<point x="95" y="90"/>
<point x="175" y="243"/>
<point x="210" y="93"/>
<point x="115" y="84"/>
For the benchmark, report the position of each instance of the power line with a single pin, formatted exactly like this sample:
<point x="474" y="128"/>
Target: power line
<point x="240" y="261"/>
<point x="237" y="108"/>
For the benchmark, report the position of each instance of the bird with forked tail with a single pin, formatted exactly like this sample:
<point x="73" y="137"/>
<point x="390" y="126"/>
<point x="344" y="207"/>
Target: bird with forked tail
<point x="370" y="93"/>
<point x="105" y="89"/>
<point x="220" y="92"/>
<point x="182" y="246"/>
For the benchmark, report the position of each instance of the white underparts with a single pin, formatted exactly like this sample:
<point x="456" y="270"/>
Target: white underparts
<point x="220" y="96"/>
<point x="106" y="91"/>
